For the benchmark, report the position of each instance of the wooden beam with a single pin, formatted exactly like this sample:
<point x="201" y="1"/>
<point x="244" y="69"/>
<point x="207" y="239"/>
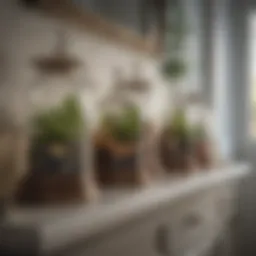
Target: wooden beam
<point x="96" y="24"/>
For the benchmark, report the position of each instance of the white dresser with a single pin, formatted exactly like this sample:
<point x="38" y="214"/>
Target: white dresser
<point x="190" y="216"/>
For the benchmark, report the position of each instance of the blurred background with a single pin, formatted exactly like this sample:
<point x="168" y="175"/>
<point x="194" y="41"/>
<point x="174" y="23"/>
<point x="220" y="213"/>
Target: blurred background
<point x="103" y="101"/>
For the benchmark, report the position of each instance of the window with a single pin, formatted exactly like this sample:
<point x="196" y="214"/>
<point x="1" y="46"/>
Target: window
<point x="252" y="75"/>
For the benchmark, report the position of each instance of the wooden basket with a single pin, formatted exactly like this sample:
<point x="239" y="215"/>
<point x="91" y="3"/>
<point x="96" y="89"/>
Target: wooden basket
<point x="119" y="164"/>
<point x="203" y="155"/>
<point x="176" y="157"/>
<point x="56" y="181"/>
<point x="57" y="188"/>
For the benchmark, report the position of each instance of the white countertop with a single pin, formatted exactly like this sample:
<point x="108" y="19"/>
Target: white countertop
<point x="58" y="226"/>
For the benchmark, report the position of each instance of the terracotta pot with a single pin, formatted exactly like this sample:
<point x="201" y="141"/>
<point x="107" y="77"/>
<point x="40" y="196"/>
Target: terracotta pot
<point x="58" y="174"/>
<point x="56" y="188"/>
<point x="118" y="164"/>
<point x="176" y="155"/>
<point x="203" y="154"/>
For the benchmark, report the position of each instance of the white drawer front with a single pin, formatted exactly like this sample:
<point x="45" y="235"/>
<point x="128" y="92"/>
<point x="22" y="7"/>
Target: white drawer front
<point x="199" y="219"/>
<point x="192" y="224"/>
<point x="226" y="199"/>
<point x="147" y="236"/>
<point x="182" y="229"/>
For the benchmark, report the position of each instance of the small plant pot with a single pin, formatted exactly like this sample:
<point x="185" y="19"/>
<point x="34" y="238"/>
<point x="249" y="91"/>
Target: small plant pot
<point x="203" y="155"/>
<point x="57" y="176"/>
<point x="55" y="188"/>
<point x="55" y="158"/>
<point x="176" y="156"/>
<point x="118" y="164"/>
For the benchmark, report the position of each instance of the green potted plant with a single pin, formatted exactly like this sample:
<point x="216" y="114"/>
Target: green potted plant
<point x="56" y="173"/>
<point x="176" y="144"/>
<point x="57" y="132"/>
<point x="174" y="68"/>
<point x="118" y="148"/>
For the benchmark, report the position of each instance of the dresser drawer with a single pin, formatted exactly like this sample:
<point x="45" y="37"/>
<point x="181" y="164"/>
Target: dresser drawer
<point x="226" y="201"/>
<point x="197" y="220"/>
<point x="146" y="236"/>
<point x="180" y="229"/>
<point x="193" y="224"/>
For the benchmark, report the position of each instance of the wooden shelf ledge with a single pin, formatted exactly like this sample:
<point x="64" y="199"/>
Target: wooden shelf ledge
<point x="96" y="24"/>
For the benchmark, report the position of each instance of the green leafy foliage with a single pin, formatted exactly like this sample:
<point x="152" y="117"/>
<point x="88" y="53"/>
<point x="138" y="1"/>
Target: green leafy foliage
<point x="199" y="133"/>
<point x="63" y="123"/>
<point x="176" y="33"/>
<point x="174" y="68"/>
<point x="181" y="129"/>
<point x="125" y="127"/>
<point x="179" y="125"/>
